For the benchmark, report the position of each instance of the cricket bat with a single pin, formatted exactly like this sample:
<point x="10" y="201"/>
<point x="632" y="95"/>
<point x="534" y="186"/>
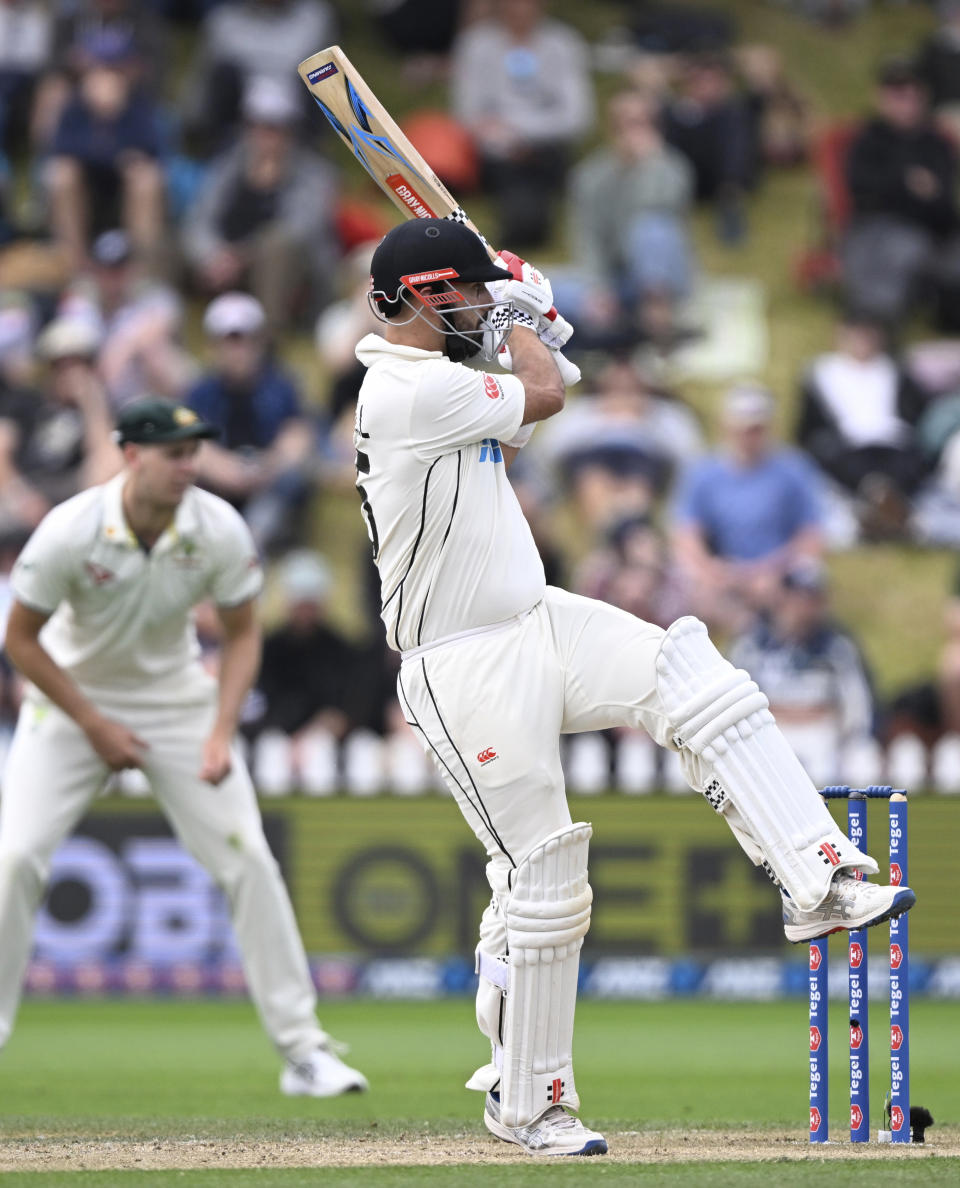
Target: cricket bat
<point x="366" y="128"/>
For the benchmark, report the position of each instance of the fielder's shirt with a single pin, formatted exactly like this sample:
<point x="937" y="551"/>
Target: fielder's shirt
<point x="120" y="620"/>
<point x="453" y="548"/>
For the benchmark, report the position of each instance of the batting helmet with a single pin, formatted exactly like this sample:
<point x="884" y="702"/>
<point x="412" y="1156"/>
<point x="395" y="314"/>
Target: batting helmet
<point x="423" y="251"/>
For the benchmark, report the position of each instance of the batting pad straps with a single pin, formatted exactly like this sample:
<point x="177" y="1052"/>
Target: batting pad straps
<point x="547" y="915"/>
<point x="494" y="969"/>
<point x="745" y="767"/>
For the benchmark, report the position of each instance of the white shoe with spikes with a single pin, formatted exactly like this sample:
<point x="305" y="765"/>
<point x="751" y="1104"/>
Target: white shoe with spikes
<point x="850" y="903"/>
<point x="555" y="1132"/>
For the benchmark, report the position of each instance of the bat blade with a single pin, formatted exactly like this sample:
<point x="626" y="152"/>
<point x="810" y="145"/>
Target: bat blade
<point x="379" y="145"/>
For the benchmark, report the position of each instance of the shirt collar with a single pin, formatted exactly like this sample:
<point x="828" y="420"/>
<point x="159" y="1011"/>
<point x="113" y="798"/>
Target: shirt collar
<point x="118" y="531"/>
<point x="373" y="345"/>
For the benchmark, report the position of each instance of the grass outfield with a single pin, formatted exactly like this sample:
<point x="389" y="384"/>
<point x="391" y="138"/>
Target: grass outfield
<point x="714" y="1175"/>
<point x="189" y="1085"/>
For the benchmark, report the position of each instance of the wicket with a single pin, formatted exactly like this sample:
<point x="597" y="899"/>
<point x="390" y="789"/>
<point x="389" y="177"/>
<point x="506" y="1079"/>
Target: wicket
<point x="857" y="983"/>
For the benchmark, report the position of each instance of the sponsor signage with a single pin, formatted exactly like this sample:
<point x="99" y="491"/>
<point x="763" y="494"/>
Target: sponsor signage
<point x="122" y="887"/>
<point x="390" y="877"/>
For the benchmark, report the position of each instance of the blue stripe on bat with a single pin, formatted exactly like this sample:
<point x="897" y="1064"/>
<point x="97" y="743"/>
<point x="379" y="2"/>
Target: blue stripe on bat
<point x="331" y="117"/>
<point x="359" y="110"/>
<point x="361" y="136"/>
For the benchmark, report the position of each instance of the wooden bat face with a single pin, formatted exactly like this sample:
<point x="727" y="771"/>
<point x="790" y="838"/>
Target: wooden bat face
<point x="365" y="127"/>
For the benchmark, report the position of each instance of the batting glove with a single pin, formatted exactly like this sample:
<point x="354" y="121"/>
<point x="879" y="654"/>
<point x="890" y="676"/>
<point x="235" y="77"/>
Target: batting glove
<point x="531" y="292"/>
<point x="554" y="332"/>
<point x="527" y="288"/>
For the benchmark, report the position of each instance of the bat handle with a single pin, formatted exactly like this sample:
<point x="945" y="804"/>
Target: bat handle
<point x="569" y="372"/>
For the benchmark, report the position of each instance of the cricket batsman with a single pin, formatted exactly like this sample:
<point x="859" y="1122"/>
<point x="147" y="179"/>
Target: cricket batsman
<point x="496" y="665"/>
<point x="102" y="630"/>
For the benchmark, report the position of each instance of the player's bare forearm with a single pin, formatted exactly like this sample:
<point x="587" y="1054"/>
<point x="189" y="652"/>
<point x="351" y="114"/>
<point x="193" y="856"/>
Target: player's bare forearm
<point x="509" y="454"/>
<point x="534" y="366"/>
<point x="239" y="663"/>
<point x="33" y="661"/>
<point x="115" y="743"/>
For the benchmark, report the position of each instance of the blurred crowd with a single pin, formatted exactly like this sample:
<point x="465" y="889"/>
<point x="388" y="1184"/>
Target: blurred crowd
<point x="176" y="220"/>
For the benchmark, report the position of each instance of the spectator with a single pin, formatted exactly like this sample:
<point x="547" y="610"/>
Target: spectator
<point x="935" y="518"/>
<point x="22" y="506"/>
<point x="662" y="29"/>
<point x="628" y="210"/>
<point x="811" y="670"/>
<point x="244" y="41"/>
<point x="419" y="30"/>
<point x="521" y="85"/>
<point x="25" y="34"/>
<point x="66" y="444"/>
<point x="28" y="260"/>
<point x="618" y="449"/>
<point x="781" y="115"/>
<point x="264" y="214"/>
<point x="903" y="240"/>
<point x="17" y="340"/>
<point x="938" y="62"/>
<point x="633" y="570"/>
<point x="338" y="330"/>
<point x="138" y="321"/>
<point x="11" y="683"/>
<point x="858" y="416"/>
<point x="261" y="462"/>
<point x="103" y="170"/>
<point x="744" y="514"/>
<point x="833" y="13"/>
<point x="308" y="668"/>
<point x="712" y="126"/>
<point x="78" y="23"/>
<point x="931" y="709"/>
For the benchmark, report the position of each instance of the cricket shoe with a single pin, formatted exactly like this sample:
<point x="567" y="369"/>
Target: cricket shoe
<point x="321" y="1075"/>
<point x="850" y="904"/>
<point x="554" y="1133"/>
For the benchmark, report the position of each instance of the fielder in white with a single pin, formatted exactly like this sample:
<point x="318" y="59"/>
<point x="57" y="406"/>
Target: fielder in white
<point x="497" y="665"/>
<point x="101" y="628"/>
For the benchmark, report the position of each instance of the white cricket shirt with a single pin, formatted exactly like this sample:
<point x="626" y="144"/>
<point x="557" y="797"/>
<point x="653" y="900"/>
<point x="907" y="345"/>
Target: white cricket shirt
<point x="451" y="543"/>
<point x="120" y="617"/>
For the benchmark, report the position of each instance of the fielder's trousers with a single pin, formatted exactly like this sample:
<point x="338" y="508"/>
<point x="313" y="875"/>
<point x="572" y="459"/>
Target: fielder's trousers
<point x="51" y="776"/>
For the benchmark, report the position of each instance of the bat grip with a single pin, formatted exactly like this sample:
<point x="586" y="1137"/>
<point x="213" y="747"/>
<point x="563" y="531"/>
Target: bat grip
<point x="569" y="372"/>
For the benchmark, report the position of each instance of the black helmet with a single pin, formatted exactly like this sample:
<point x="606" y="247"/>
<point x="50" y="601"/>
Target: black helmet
<point x="424" y="250"/>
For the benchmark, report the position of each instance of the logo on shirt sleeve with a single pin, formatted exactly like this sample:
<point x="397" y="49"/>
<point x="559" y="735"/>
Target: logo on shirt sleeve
<point x="491" y="385"/>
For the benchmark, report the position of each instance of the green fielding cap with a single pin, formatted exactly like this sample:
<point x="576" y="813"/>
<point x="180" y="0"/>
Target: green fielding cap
<point x="153" y="422"/>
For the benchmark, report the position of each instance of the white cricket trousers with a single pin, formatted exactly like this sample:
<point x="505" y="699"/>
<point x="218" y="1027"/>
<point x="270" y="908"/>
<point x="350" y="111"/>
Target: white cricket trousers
<point x="51" y="776"/>
<point x="490" y="707"/>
